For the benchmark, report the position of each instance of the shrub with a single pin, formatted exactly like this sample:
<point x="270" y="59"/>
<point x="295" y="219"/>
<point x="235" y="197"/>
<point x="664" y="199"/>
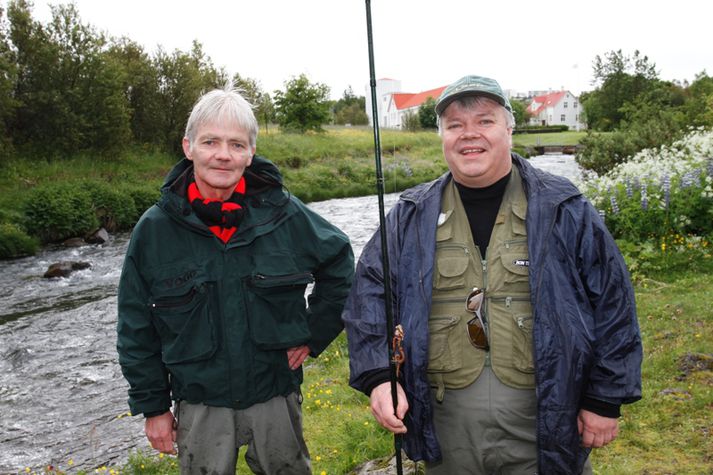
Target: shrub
<point x="540" y="129"/>
<point x="144" y="197"/>
<point x="660" y="192"/>
<point x="59" y="211"/>
<point x="15" y="243"/>
<point x="114" y="209"/>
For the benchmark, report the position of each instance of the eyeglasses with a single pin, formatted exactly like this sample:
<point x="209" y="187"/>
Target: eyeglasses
<point x="476" y="326"/>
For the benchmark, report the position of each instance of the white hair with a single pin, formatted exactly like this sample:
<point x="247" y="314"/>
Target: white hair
<point x="222" y="105"/>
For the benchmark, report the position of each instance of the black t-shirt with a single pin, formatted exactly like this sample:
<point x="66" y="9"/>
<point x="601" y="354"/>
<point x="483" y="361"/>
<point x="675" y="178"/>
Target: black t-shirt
<point x="481" y="206"/>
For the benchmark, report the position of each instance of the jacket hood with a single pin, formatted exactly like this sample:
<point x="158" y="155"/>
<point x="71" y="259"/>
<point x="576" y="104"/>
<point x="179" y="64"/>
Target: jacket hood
<point x="261" y="174"/>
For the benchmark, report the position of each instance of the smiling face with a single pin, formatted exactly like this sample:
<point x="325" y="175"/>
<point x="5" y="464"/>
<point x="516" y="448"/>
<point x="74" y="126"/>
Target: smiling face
<point x="476" y="142"/>
<point x="220" y="153"/>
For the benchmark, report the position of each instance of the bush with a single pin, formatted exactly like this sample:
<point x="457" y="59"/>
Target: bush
<point x="15" y="243"/>
<point x="540" y="129"/>
<point x="660" y="193"/>
<point x="114" y="209"/>
<point x="59" y="211"/>
<point x="144" y="197"/>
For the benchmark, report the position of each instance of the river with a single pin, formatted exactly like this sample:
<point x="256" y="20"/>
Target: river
<point x="62" y="395"/>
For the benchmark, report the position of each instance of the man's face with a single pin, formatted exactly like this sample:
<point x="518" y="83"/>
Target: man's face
<point x="220" y="154"/>
<point x="476" y="143"/>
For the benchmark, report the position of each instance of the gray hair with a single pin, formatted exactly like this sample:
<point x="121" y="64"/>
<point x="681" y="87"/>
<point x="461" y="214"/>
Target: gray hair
<point x="470" y="102"/>
<point x="223" y="105"/>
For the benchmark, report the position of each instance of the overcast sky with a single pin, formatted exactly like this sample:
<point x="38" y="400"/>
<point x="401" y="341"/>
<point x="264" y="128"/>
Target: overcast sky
<point x="525" y="45"/>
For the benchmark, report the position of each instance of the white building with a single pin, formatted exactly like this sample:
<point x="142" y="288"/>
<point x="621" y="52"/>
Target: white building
<point x="395" y="105"/>
<point x="556" y="108"/>
<point x="384" y="88"/>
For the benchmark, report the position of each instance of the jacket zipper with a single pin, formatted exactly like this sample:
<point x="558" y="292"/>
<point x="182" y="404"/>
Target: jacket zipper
<point x="165" y="303"/>
<point x="259" y="280"/>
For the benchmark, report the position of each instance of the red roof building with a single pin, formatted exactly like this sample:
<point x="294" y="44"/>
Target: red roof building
<point x="556" y="108"/>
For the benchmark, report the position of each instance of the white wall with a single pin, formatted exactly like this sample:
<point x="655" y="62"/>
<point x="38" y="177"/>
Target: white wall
<point x="384" y="88"/>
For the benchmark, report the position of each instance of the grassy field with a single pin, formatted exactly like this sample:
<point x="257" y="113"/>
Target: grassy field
<point x="559" y="138"/>
<point x="342" y="157"/>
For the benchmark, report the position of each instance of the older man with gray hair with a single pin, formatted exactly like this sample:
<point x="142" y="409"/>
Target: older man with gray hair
<point x="212" y="311"/>
<point x="520" y="333"/>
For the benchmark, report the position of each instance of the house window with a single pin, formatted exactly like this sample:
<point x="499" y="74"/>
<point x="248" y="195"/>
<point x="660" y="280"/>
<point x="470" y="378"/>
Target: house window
<point x="565" y="104"/>
<point x="563" y="118"/>
<point x="575" y="104"/>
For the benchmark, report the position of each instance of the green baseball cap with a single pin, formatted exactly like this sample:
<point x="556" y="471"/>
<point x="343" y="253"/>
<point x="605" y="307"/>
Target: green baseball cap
<point x="472" y="86"/>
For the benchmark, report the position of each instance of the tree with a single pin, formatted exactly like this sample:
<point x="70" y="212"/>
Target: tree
<point x="183" y="77"/>
<point x="411" y="122"/>
<point x="520" y="112"/>
<point x="69" y="93"/>
<point x="427" y="114"/>
<point x="260" y="100"/>
<point x="141" y="89"/>
<point x="350" y="109"/>
<point x="8" y="77"/>
<point x="302" y="106"/>
<point x="620" y="80"/>
<point x="698" y="106"/>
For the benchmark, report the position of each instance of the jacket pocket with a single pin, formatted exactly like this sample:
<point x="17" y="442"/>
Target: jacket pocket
<point x="277" y="311"/>
<point x="185" y="324"/>
<point x="523" y="357"/>
<point x="443" y="346"/>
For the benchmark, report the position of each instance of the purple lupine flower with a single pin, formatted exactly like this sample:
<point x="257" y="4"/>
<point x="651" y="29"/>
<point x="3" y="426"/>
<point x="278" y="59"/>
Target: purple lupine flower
<point x="627" y="185"/>
<point x="689" y="179"/>
<point x="614" y="204"/>
<point x="666" y="184"/>
<point x="709" y="166"/>
<point x="644" y="198"/>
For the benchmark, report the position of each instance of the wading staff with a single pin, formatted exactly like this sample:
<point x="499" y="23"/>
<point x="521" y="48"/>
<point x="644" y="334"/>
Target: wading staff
<point x="390" y="341"/>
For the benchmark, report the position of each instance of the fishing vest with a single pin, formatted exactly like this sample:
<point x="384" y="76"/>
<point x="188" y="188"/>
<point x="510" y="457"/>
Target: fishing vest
<point x="453" y="360"/>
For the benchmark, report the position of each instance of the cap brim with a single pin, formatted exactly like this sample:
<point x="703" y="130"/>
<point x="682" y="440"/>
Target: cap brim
<point x="441" y="106"/>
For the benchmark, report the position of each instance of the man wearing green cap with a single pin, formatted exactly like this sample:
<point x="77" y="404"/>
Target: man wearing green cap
<point x="520" y="334"/>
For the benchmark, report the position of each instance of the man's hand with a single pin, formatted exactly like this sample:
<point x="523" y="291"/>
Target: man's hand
<point x="595" y="430"/>
<point x="161" y="432"/>
<point x="296" y="356"/>
<point x="382" y="406"/>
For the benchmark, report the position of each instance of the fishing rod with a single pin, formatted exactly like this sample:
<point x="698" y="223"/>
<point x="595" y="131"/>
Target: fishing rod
<point x="390" y="338"/>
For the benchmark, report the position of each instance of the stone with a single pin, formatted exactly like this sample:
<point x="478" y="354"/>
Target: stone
<point x="100" y="236"/>
<point x="64" y="268"/>
<point x="387" y="466"/>
<point x="74" y="242"/>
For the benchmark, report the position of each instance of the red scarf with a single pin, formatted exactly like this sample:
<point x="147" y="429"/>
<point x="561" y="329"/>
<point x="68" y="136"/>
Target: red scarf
<point x="221" y="217"/>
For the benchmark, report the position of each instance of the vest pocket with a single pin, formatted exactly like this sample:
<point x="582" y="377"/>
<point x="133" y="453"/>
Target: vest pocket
<point x="523" y="357"/>
<point x="443" y="347"/>
<point x="277" y="311"/>
<point x="185" y="325"/>
<point x="451" y="272"/>
<point x="517" y="271"/>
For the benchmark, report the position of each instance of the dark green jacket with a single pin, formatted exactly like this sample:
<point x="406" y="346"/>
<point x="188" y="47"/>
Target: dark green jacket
<point x="208" y="322"/>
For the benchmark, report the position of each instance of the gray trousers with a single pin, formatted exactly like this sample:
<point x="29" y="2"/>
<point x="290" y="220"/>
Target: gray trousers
<point x="487" y="428"/>
<point x="209" y="438"/>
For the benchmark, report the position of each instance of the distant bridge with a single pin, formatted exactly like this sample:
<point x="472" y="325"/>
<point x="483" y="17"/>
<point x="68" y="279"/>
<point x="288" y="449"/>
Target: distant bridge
<point x="560" y="149"/>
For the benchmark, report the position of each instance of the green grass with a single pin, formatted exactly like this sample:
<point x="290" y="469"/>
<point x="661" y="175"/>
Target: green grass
<point x="559" y="138"/>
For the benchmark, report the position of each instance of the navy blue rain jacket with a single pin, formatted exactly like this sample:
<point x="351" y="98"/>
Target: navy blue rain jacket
<point x="586" y="335"/>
